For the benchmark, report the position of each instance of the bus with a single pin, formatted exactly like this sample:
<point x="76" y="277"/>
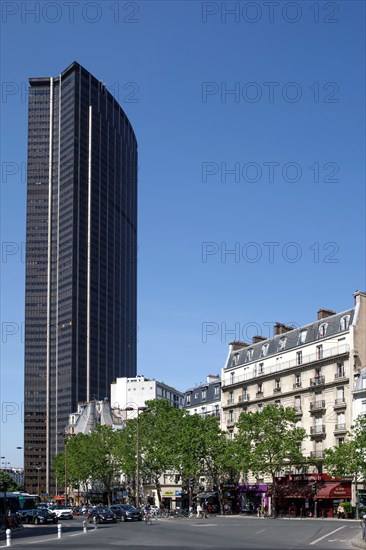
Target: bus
<point x="15" y="500"/>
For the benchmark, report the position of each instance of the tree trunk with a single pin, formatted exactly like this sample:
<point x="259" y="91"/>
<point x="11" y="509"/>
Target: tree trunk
<point x="221" y="501"/>
<point x="158" y="490"/>
<point x="274" y="507"/>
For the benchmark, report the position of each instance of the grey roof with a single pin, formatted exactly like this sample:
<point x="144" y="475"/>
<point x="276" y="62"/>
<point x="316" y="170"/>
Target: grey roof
<point x="292" y="339"/>
<point x="210" y="394"/>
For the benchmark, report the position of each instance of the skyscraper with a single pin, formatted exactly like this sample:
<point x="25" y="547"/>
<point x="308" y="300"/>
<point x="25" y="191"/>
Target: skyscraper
<point x="81" y="257"/>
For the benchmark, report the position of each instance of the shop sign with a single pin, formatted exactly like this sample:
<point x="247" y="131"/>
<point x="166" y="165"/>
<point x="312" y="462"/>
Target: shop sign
<point x="168" y="493"/>
<point x="178" y="493"/>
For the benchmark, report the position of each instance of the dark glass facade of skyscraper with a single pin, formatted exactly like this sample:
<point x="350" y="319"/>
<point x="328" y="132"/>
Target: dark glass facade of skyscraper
<point x="81" y="257"/>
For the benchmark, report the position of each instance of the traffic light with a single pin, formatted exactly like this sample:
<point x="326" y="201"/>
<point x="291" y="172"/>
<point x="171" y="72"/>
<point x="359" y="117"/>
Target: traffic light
<point x="313" y="487"/>
<point x="191" y="482"/>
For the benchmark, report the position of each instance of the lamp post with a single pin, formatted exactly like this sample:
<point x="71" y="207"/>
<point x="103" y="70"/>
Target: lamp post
<point x="38" y="468"/>
<point x="137" y="484"/>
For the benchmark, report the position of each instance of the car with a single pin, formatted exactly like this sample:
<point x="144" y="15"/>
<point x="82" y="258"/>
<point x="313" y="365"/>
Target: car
<point x="117" y="510"/>
<point x="39" y="516"/>
<point x="63" y="512"/>
<point x="132" y="513"/>
<point x="102" y="515"/>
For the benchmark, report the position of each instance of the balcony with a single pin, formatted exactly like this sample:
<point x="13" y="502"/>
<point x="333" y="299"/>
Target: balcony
<point x="340" y="403"/>
<point x="259" y="394"/>
<point x="285" y="365"/>
<point x="277" y="390"/>
<point x="317" y="381"/>
<point x="340" y="428"/>
<point x="339" y="375"/>
<point x="317" y="430"/>
<point x="230" y="421"/>
<point x="317" y="454"/>
<point x="317" y="405"/>
<point x="230" y="401"/>
<point x="244" y="398"/>
<point x="296" y="385"/>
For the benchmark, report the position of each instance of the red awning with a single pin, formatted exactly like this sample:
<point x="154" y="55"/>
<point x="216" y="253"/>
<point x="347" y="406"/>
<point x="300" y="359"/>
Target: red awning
<point x="292" y="490"/>
<point x="59" y="498"/>
<point x="334" y="490"/>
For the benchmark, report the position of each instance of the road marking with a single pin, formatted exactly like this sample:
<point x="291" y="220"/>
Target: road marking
<point x="54" y="538"/>
<point x="327" y="535"/>
<point x="261" y="531"/>
<point x="205" y="524"/>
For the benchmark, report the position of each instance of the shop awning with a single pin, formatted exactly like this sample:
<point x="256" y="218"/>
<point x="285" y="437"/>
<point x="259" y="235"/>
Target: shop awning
<point x="207" y="494"/>
<point x="334" y="490"/>
<point x="292" y="490"/>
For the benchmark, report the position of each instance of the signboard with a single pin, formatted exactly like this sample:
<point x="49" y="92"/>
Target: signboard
<point x="178" y="493"/>
<point x="168" y="493"/>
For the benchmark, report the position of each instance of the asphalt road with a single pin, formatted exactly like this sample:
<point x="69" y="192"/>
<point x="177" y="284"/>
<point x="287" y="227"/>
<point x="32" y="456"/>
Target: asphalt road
<point x="221" y="533"/>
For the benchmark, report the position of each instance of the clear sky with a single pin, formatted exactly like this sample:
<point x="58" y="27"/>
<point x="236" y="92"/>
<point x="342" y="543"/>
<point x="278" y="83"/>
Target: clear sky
<point x="250" y="121"/>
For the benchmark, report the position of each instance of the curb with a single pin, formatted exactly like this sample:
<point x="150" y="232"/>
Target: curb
<point x="358" y="543"/>
<point x="243" y="517"/>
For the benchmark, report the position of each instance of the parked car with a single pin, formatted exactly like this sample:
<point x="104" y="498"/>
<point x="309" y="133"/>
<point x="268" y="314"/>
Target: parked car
<point x="117" y="510"/>
<point x="102" y="515"/>
<point x="132" y="513"/>
<point x="38" y="516"/>
<point x="64" y="512"/>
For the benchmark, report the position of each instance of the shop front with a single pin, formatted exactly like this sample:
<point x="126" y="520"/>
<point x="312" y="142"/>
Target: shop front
<point x="310" y="495"/>
<point x="171" y="498"/>
<point x="251" y="498"/>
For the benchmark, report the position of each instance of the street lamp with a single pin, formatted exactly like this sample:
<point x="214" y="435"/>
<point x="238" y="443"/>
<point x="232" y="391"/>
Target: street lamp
<point x="38" y="468"/>
<point x="137" y="484"/>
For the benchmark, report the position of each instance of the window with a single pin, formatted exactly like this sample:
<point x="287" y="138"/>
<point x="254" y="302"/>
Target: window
<point x="235" y="360"/>
<point x="281" y="344"/>
<point x="340" y="441"/>
<point x="203" y="393"/>
<point x="260" y="407"/>
<point x="298" y="357"/>
<point x="260" y="388"/>
<point x="344" y="323"/>
<point x="277" y="385"/>
<point x="232" y="375"/>
<point x="196" y="395"/>
<point x="298" y="380"/>
<point x="217" y="390"/>
<point x="322" y="331"/>
<point x="298" y="402"/>
<point x="340" y="370"/>
<point x="264" y="350"/>
<point x="261" y="368"/>
<point x="319" y="352"/>
<point x="278" y="403"/>
<point x="249" y="354"/>
<point x="302" y="337"/>
<point x="188" y="398"/>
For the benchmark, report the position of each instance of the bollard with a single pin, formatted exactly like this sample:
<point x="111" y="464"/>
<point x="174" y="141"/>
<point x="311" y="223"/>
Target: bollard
<point x="95" y="522"/>
<point x="85" y="528"/>
<point x="8" y="537"/>
<point x="59" y="530"/>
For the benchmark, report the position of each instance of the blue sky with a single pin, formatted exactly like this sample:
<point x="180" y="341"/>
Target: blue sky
<point x="292" y="130"/>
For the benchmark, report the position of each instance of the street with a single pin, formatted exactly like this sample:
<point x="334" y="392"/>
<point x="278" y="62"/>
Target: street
<point x="219" y="532"/>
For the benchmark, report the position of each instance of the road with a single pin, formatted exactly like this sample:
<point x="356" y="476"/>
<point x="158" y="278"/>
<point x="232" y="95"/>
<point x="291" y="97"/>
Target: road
<point x="221" y="533"/>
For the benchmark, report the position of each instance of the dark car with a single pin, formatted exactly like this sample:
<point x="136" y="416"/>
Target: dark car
<point x="39" y="517"/>
<point x="131" y="513"/>
<point x="117" y="510"/>
<point x="102" y="515"/>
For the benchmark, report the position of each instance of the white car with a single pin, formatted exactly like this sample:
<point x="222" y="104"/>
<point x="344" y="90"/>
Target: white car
<point x="63" y="512"/>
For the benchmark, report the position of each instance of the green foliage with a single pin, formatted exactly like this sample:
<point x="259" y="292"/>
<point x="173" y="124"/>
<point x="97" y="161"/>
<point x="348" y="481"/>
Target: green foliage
<point x="6" y="478"/>
<point x="349" y="459"/>
<point x="268" y="441"/>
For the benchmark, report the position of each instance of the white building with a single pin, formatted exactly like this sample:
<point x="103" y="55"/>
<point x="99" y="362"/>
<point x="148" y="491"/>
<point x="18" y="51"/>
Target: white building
<point x="134" y="392"/>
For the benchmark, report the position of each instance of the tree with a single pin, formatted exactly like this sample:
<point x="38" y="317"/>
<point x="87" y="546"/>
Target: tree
<point x="104" y="458"/>
<point x="7" y="481"/>
<point x="205" y="451"/>
<point x="349" y="459"/>
<point x="268" y="441"/>
<point x="159" y="432"/>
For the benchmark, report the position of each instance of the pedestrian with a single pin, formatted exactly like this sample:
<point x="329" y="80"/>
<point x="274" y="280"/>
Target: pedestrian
<point x="363" y="527"/>
<point x="199" y="510"/>
<point x="340" y="511"/>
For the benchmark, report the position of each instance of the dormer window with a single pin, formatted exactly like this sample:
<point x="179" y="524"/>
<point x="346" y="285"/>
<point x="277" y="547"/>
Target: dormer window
<point x="249" y="354"/>
<point x="344" y="323"/>
<point x="235" y="359"/>
<point x="302" y="337"/>
<point x="281" y="344"/>
<point x="188" y="398"/>
<point x="264" y="350"/>
<point x="203" y="393"/>
<point x="322" y="330"/>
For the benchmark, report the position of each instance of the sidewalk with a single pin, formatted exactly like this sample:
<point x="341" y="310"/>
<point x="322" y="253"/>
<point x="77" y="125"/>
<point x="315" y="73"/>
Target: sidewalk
<point x="358" y="543"/>
<point x="251" y="517"/>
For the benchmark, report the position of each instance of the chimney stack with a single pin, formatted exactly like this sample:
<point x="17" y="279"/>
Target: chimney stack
<point x="237" y="344"/>
<point x="281" y="328"/>
<point x="323" y="313"/>
<point x="257" y="339"/>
